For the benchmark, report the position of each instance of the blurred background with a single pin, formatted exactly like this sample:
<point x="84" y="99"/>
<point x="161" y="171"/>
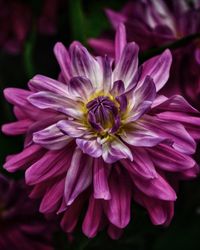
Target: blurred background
<point x="28" y="31"/>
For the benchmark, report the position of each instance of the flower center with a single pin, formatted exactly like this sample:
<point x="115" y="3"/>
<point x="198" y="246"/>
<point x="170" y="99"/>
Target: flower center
<point x="103" y="114"/>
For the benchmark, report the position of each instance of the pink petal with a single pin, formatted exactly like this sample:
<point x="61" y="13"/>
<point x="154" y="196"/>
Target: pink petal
<point x="43" y="83"/>
<point x="93" y="218"/>
<point x="16" y="128"/>
<point x="79" y="176"/>
<point x="126" y="68"/>
<point x="100" y="180"/>
<point x="63" y="59"/>
<point x="158" y="68"/>
<point x="120" y="41"/>
<point x="117" y="208"/>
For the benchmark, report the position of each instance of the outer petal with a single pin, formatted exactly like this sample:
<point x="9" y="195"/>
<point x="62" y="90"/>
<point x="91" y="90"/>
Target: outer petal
<point x="79" y="176"/>
<point x="21" y="160"/>
<point x="158" y="68"/>
<point x="115" y="150"/>
<point x="93" y="217"/>
<point x="169" y="159"/>
<point x="100" y="180"/>
<point x="118" y="208"/>
<point x="175" y="132"/>
<point x="120" y="41"/>
<point x="126" y="68"/>
<point x="17" y="128"/>
<point x="157" y="188"/>
<point x="17" y="96"/>
<point x="142" y="164"/>
<point x="63" y="59"/>
<point x="161" y="212"/>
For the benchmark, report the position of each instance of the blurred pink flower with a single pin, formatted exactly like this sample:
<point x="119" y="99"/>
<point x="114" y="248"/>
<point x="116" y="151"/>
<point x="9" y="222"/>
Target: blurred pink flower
<point x="21" y="226"/>
<point x="101" y="135"/>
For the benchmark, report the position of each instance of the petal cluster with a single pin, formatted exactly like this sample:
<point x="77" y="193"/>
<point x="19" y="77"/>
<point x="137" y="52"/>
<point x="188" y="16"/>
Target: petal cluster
<point x="101" y="135"/>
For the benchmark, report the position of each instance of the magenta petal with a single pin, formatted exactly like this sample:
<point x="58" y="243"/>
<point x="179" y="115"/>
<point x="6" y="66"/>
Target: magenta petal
<point x="17" y="96"/>
<point x="158" y="68"/>
<point x="71" y="128"/>
<point x="28" y="155"/>
<point x="79" y="176"/>
<point x="52" y="197"/>
<point x="115" y="150"/>
<point x="141" y="165"/>
<point x="115" y="17"/>
<point x="120" y="41"/>
<point x="157" y="188"/>
<point x="93" y="218"/>
<point x="117" y="208"/>
<point x="90" y="147"/>
<point x="106" y="64"/>
<point x="52" y="164"/>
<point x="114" y="232"/>
<point x="51" y="138"/>
<point x="102" y="46"/>
<point x="174" y="131"/>
<point x="100" y="180"/>
<point x="43" y="83"/>
<point x="63" y="59"/>
<point x="161" y="212"/>
<point x="16" y="128"/>
<point x="71" y="215"/>
<point x="126" y="68"/>
<point x="169" y="159"/>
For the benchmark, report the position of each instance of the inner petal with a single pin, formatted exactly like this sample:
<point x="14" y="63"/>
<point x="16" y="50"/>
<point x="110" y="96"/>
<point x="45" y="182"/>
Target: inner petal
<point x="102" y="113"/>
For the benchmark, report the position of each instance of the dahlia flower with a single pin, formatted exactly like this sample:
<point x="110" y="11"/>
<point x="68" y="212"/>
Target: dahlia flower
<point x="153" y="23"/>
<point x="21" y="226"/>
<point x="101" y="135"/>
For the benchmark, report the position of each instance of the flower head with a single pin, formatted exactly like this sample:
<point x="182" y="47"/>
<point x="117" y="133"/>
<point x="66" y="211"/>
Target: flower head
<point x="21" y="226"/>
<point x="101" y="135"/>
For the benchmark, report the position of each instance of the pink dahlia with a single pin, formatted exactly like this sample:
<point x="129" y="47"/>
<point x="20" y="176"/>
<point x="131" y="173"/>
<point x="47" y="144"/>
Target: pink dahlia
<point x="21" y="226"/>
<point x="101" y="135"/>
<point x="153" y="23"/>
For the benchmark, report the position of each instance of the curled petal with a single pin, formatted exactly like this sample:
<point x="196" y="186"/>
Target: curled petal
<point x="71" y="128"/>
<point x="17" y="128"/>
<point x="51" y="138"/>
<point x="115" y="150"/>
<point x="43" y="83"/>
<point x="90" y="147"/>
